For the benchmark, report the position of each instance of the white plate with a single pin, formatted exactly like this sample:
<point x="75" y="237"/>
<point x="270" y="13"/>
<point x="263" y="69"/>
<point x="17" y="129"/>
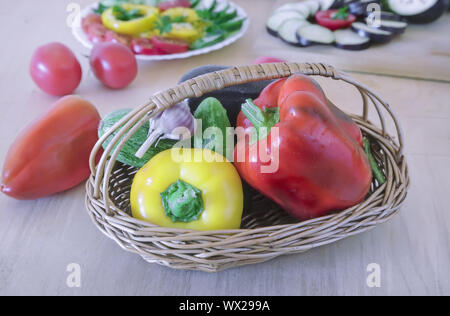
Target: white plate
<point x="83" y="39"/>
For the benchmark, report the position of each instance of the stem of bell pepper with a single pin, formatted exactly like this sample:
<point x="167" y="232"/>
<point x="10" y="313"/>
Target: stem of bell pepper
<point x="373" y="164"/>
<point x="182" y="202"/>
<point x="263" y="121"/>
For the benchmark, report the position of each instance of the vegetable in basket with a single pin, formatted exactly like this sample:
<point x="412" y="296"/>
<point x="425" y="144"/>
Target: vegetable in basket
<point x="215" y="124"/>
<point x="320" y="166"/>
<point x="52" y="154"/>
<point x="188" y="189"/>
<point x="230" y="96"/>
<point x="128" y="152"/>
<point x="176" y="122"/>
<point x="269" y="99"/>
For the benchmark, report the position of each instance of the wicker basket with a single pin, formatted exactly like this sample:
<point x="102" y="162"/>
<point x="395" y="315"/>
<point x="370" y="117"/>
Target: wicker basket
<point x="267" y="231"/>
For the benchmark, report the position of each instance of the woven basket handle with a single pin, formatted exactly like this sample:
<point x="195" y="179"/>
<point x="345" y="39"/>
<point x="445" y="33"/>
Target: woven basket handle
<point x="201" y="85"/>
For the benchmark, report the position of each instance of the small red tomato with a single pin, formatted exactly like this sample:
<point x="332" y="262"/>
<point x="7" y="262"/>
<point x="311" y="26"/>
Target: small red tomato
<point x="55" y="69"/>
<point x="329" y="20"/>
<point x="169" y="4"/>
<point x="97" y="33"/>
<point x="114" y="65"/>
<point x="170" y="46"/>
<point x="267" y="60"/>
<point x="89" y="20"/>
<point x="144" y="46"/>
<point x="114" y="37"/>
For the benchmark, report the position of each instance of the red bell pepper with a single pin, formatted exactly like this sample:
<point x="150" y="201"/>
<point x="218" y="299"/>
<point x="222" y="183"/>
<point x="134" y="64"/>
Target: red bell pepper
<point x="321" y="168"/>
<point x="274" y="94"/>
<point x="267" y="99"/>
<point x="303" y="83"/>
<point x="52" y="154"/>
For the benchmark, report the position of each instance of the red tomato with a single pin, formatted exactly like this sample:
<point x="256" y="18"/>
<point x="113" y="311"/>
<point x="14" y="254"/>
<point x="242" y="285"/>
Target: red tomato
<point x="114" y="65"/>
<point x="55" y="69"/>
<point x="89" y="20"/>
<point x="325" y="19"/>
<point x="268" y="60"/>
<point x="97" y="33"/>
<point x="114" y="37"/>
<point x="144" y="46"/>
<point x="170" y="46"/>
<point x="166" y="5"/>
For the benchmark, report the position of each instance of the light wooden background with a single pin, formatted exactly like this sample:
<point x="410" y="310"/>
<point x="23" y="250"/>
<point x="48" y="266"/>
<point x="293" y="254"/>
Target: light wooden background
<point x="38" y="239"/>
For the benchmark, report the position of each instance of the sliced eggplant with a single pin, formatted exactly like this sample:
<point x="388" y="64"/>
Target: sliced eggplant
<point x="383" y="15"/>
<point x="395" y="27"/>
<point x="313" y="6"/>
<point x="330" y="4"/>
<point x="314" y="34"/>
<point x="288" y="30"/>
<point x="275" y="21"/>
<point x="360" y="8"/>
<point x="349" y="40"/>
<point x="375" y="34"/>
<point x="299" y="7"/>
<point x="419" y="11"/>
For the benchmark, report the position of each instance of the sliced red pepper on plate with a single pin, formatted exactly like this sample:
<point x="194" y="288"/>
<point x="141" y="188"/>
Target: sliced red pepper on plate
<point x="335" y="19"/>
<point x="114" y="37"/>
<point x="315" y="167"/>
<point x="170" y="46"/>
<point x="89" y="20"/>
<point x="97" y="33"/>
<point x="144" y="46"/>
<point x="169" y="4"/>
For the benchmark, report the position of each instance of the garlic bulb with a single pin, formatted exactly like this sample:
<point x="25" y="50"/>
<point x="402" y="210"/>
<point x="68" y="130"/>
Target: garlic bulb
<point x="163" y="125"/>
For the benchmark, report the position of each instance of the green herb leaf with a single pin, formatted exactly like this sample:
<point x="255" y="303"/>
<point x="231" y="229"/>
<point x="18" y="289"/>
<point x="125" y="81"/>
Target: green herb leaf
<point x="178" y="19"/>
<point x="342" y="14"/>
<point x="373" y="163"/>
<point x="164" y="24"/>
<point x="213" y="115"/>
<point x="124" y="15"/>
<point x="101" y="8"/>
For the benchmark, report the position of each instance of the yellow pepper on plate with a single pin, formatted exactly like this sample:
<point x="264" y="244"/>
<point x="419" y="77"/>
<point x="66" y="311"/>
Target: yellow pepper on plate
<point x="186" y="14"/>
<point x="183" y="31"/>
<point x="130" y="19"/>
<point x="180" y="31"/>
<point x="188" y="188"/>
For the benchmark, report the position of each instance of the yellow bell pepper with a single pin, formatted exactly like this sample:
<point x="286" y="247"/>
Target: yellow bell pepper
<point x="141" y="24"/>
<point x="186" y="188"/>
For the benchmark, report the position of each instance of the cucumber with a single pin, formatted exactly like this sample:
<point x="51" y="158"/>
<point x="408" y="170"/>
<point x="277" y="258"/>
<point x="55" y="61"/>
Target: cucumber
<point x="127" y="154"/>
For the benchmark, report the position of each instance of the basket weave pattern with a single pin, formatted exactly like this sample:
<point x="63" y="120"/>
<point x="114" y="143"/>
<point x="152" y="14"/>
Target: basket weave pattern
<point x="267" y="231"/>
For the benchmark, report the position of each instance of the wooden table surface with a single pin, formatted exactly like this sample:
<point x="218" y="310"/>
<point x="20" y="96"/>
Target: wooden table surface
<point x="39" y="239"/>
